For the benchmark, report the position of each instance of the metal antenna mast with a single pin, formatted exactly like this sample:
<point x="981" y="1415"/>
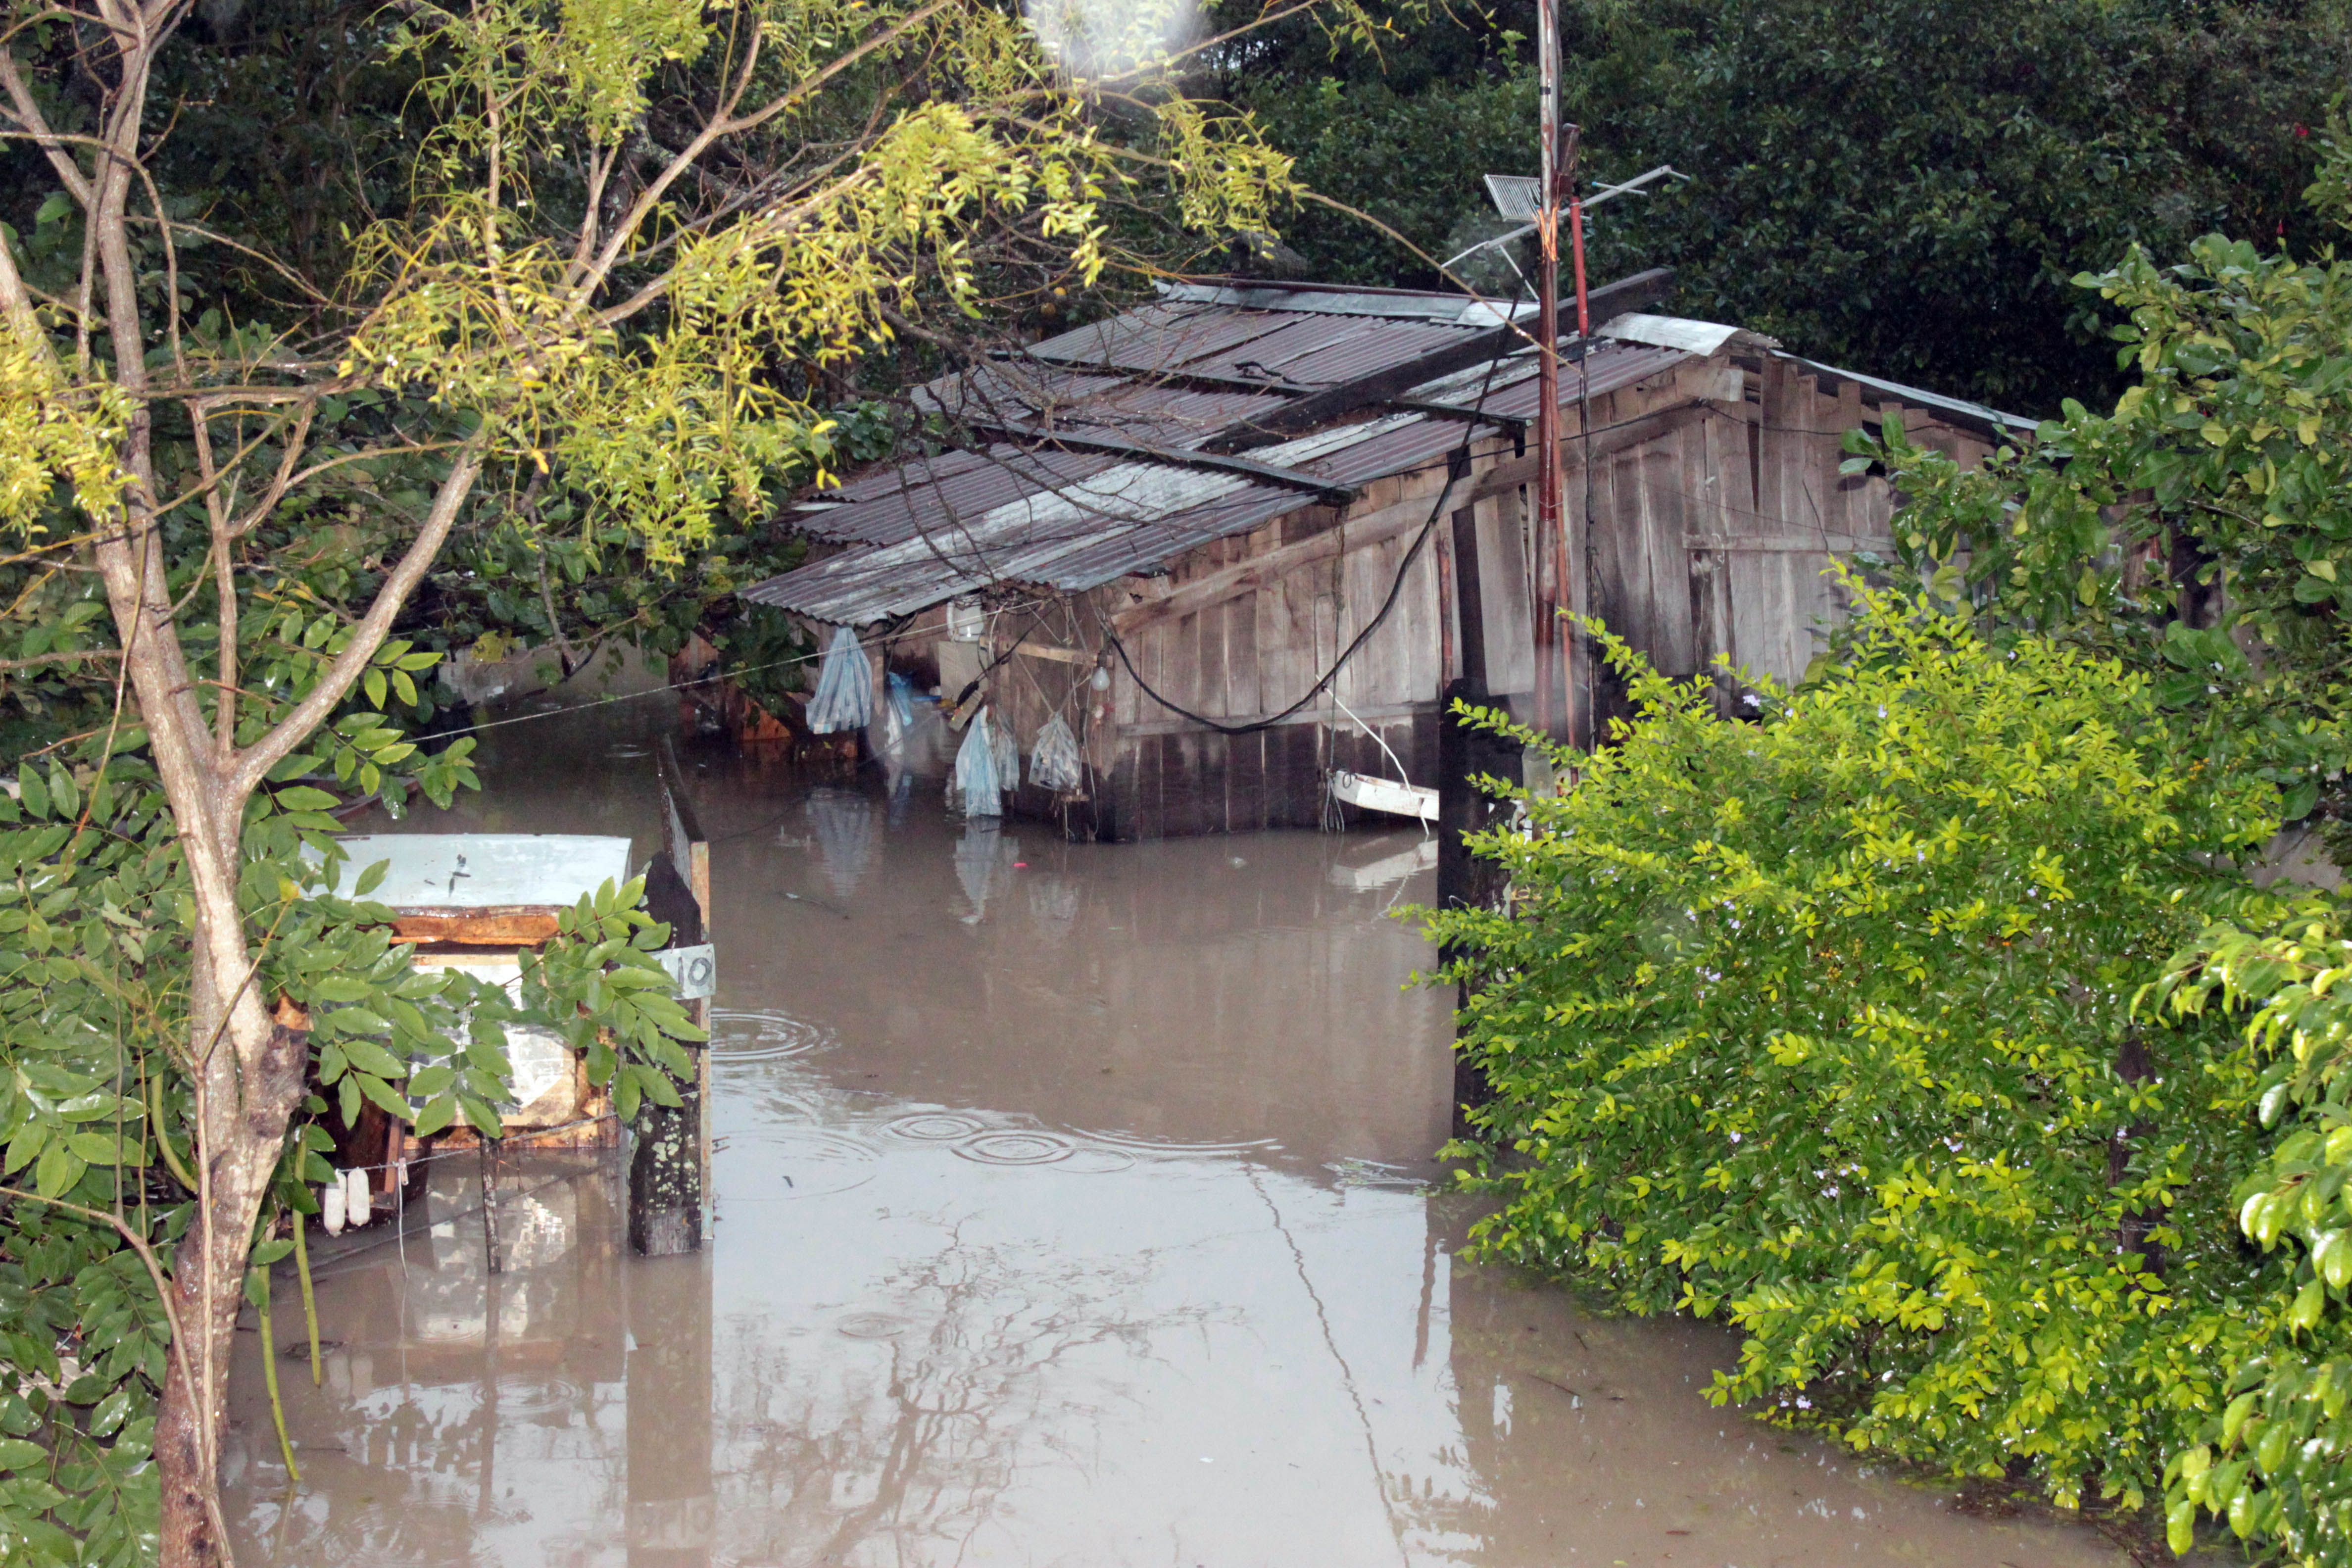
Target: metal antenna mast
<point x="1563" y="566"/>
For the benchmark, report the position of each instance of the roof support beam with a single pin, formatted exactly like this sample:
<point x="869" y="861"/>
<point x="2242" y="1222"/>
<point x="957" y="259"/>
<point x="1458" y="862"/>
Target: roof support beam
<point x="1320" y="408"/>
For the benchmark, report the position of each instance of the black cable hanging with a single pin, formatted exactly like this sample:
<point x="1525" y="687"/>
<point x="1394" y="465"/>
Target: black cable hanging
<point x="1457" y="463"/>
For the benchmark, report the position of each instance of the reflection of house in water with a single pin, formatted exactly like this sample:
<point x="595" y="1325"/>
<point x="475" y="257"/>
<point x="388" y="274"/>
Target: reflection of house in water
<point x="844" y="826"/>
<point x="983" y="859"/>
<point x="555" y="1408"/>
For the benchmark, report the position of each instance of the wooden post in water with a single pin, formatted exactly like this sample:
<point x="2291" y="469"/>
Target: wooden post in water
<point x="669" y="1173"/>
<point x="665" y="1186"/>
<point x="690" y="851"/>
<point x="1463" y="754"/>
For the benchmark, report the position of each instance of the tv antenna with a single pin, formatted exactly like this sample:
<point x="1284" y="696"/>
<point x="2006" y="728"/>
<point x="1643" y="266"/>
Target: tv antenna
<point x="1562" y="574"/>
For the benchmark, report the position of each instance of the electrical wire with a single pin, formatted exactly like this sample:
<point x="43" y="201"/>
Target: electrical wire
<point x="704" y="680"/>
<point x="1457" y="463"/>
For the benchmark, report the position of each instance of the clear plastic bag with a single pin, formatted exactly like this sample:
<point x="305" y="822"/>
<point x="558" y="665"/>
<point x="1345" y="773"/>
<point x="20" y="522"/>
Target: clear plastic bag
<point x="976" y="786"/>
<point x="1053" y="761"/>
<point x="843" y="699"/>
<point x="1006" y="751"/>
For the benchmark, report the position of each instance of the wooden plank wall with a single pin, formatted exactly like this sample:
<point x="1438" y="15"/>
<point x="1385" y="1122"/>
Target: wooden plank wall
<point x="1714" y="537"/>
<point x="1715" y="506"/>
<point x="1239" y="630"/>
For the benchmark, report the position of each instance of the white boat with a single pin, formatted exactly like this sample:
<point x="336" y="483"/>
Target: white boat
<point x="1384" y="796"/>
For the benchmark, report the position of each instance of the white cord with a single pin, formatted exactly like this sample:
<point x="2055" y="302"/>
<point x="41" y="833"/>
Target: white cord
<point x="1375" y="734"/>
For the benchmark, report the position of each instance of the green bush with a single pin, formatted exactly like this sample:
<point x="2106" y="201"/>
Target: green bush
<point x="1822" y="1026"/>
<point x="2273" y="1460"/>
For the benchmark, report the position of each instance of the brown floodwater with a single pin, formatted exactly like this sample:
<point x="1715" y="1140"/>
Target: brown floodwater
<point x="1074" y="1207"/>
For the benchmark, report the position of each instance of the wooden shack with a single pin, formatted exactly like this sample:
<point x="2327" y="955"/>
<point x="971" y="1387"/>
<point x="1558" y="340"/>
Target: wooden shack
<point x="1242" y="539"/>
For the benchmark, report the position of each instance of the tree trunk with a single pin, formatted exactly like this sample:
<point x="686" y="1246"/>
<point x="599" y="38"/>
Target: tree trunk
<point x="207" y="1284"/>
<point x="2135" y="1066"/>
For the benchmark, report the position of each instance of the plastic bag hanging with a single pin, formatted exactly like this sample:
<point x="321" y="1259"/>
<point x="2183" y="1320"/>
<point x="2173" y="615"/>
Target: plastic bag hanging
<point x="845" y="687"/>
<point x="1006" y="751"/>
<point x="975" y="785"/>
<point x="1054" y="763"/>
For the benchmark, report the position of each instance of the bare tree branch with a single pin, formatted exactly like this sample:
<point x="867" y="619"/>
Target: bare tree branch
<point x="296" y="724"/>
<point x="28" y="115"/>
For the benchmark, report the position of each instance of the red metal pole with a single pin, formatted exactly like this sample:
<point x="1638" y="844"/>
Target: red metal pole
<point x="1551" y="560"/>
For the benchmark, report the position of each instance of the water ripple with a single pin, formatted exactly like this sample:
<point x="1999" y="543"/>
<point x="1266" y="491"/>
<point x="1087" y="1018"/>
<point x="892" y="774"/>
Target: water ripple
<point x="936" y="1127"/>
<point x="750" y="1035"/>
<point x="800" y="1162"/>
<point x="1142" y="1143"/>
<point x="1012" y="1148"/>
<point x="524" y="1395"/>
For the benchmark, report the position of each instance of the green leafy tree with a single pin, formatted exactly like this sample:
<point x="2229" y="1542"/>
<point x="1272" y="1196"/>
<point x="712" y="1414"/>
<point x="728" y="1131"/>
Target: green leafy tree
<point x="2201" y="529"/>
<point x="625" y="227"/>
<point x="1822" y="1025"/>
<point x="2275" y="1461"/>
<point x="1904" y="189"/>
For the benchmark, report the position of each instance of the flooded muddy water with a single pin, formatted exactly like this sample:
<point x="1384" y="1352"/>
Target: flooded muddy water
<point x="1073" y="1208"/>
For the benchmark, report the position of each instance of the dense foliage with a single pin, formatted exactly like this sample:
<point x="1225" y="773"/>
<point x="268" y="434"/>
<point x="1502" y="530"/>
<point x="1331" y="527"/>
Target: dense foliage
<point x="1905" y="189"/>
<point x="2200" y="529"/>
<point x="1986" y="1168"/>
<point x="2276" y="1461"/>
<point x="538" y="303"/>
<point x="1822" y="1026"/>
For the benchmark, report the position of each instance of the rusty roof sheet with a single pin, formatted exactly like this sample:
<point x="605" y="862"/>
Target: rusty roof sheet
<point x="1075" y="531"/>
<point x="1158" y="338"/>
<point x="936" y="492"/>
<point x="1511" y="393"/>
<point x="924" y="530"/>
<point x="1300" y="344"/>
<point x="1050" y="397"/>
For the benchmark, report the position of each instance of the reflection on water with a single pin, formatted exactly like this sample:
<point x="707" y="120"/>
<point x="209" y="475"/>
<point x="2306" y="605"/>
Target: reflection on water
<point x="1075" y="1208"/>
<point x="847" y="827"/>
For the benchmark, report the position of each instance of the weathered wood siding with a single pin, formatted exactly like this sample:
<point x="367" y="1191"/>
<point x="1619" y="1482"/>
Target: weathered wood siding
<point x="1715" y="539"/>
<point x="1716" y="509"/>
<point x="1241" y="629"/>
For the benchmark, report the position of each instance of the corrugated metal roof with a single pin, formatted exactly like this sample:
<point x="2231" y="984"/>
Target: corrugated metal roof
<point x="1511" y="393"/>
<point x="1992" y="421"/>
<point x="1705" y="338"/>
<point x="1086" y="530"/>
<point x="938" y="492"/>
<point x="1342" y="300"/>
<point x="1048" y="397"/>
<point x="930" y="530"/>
